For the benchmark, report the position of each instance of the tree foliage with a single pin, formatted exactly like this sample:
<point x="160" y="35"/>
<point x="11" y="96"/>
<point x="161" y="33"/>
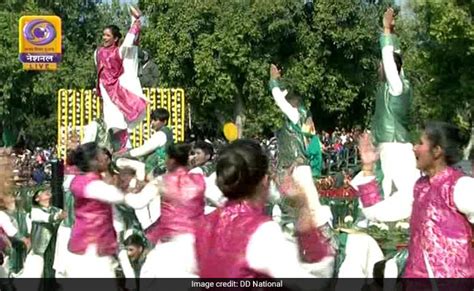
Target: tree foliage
<point x="220" y="51"/>
<point x="439" y="43"/>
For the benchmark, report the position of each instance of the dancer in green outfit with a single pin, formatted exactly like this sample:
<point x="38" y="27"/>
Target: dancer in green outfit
<point x="153" y="151"/>
<point x="45" y="222"/>
<point x="18" y="218"/>
<point x="292" y="158"/>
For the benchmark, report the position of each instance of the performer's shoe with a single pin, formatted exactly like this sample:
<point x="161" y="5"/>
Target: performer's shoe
<point x="134" y="11"/>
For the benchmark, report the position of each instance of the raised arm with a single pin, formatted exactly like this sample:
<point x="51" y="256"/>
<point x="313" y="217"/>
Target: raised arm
<point x="131" y="37"/>
<point x="394" y="208"/>
<point x="279" y="96"/>
<point x="388" y="41"/>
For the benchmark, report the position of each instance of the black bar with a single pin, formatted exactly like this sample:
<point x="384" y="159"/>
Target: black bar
<point x="57" y="178"/>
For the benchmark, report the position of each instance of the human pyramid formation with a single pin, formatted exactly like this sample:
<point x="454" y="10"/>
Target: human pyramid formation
<point x="168" y="209"/>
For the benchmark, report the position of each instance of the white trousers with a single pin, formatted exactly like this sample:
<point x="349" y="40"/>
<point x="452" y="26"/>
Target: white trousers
<point x="33" y="266"/>
<point x="399" y="167"/>
<point x="90" y="265"/>
<point x="61" y="253"/>
<point x="362" y="253"/>
<point x="173" y="259"/>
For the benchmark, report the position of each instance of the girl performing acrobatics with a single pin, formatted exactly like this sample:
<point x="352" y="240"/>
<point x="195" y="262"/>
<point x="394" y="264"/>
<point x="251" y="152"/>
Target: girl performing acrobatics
<point x="118" y="84"/>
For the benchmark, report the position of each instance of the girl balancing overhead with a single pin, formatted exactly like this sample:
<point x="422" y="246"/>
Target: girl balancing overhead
<point x="124" y="104"/>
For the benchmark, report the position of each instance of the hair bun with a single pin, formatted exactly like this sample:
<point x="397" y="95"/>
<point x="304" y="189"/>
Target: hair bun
<point x="232" y="173"/>
<point x="240" y="168"/>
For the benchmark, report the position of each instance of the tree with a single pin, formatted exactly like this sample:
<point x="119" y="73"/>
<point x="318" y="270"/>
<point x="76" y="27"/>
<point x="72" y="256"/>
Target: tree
<point x="220" y="52"/>
<point x="439" y="44"/>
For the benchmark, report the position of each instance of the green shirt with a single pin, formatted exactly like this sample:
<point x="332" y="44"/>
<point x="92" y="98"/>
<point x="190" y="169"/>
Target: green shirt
<point x="291" y="145"/>
<point x="392" y="113"/>
<point x="156" y="160"/>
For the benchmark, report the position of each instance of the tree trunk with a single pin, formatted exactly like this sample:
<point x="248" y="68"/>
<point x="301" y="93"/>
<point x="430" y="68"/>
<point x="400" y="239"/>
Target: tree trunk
<point x="469" y="147"/>
<point x="239" y="115"/>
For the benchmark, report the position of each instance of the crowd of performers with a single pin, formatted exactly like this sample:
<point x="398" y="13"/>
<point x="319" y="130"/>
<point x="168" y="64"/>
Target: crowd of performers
<point x="167" y="210"/>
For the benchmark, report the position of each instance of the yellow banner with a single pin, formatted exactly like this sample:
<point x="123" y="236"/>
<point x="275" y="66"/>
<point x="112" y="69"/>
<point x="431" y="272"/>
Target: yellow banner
<point x="78" y="107"/>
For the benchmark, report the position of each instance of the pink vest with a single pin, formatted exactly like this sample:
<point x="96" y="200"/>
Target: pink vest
<point x="222" y="239"/>
<point x="440" y="230"/>
<point x="109" y="69"/>
<point x="93" y="220"/>
<point x="181" y="207"/>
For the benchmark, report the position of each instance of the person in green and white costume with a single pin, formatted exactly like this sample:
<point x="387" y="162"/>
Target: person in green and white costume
<point x="292" y="158"/>
<point x="397" y="173"/>
<point x="201" y="163"/>
<point x="45" y="222"/>
<point x="356" y="253"/>
<point x="153" y="151"/>
<point x="201" y="158"/>
<point x="134" y="254"/>
<point x="127" y="217"/>
<point x="64" y="230"/>
<point x="19" y="219"/>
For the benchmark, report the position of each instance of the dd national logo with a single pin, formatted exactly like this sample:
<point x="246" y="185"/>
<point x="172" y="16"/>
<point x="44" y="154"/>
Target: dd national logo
<point x="40" y="42"/>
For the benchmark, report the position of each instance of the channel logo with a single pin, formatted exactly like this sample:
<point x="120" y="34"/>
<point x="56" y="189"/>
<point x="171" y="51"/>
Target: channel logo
<point x="40" y="42"/>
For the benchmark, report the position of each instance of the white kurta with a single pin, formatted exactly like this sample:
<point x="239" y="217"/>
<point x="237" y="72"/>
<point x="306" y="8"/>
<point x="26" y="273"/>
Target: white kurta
<point x="113" y="117"/>
<point x="90" y="264"/>
<point x="397" y="160"/>
<point x="62" y="239"/>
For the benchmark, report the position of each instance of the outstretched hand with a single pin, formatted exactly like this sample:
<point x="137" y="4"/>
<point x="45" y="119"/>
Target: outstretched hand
<point x="274" y="72"/>
<point x="62" y="215"/>
<point x="389" y="19"/>
<point x="368" y="153"/>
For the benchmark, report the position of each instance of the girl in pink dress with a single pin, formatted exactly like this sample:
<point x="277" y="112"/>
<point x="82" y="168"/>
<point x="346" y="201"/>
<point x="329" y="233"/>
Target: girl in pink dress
<point x="124" y="104"/>
<point x="238" y="240"/>
<point x="93" y="242"/>
<point x="442" y="205"/>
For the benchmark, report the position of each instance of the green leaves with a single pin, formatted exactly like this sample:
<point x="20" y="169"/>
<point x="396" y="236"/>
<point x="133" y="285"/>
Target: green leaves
<point x="220" y="53"/>
<point x="439" y="44"/>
